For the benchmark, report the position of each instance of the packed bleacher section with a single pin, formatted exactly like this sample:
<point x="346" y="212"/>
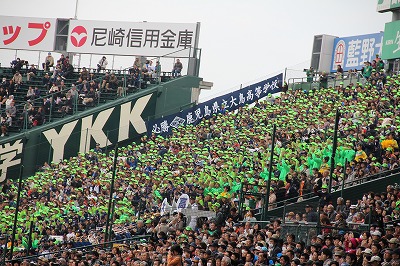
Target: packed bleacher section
<point x="30" y="97"/>
<point x="209" y="162"/>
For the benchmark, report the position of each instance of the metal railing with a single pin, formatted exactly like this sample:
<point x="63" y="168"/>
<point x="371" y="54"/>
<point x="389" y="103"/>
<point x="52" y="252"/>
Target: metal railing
<point x="306" y="231"/>
<point x="84" y="249"/>
<point x="23" y="122"/>
<point x="314" y="82"/>
<point x="309" y="198"/>
<point x="314" y="200"/>
<point x="347" y="78"/>
<point x="303" y="84"/>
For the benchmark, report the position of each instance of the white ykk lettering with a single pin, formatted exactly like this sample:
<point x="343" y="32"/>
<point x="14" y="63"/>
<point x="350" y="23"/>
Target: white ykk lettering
<point x="133" y="117"/>
<point x="58" y="140"/>
<point x="94" y="130"/>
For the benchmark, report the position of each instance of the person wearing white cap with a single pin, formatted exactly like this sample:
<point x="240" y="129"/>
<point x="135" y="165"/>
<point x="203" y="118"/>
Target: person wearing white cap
<point x="376" y="235"/>
<point x="320" y="239"/>
<point x="367" y="254"/>
<point x="352" y="213"/>
<point x="367" y="251"/>
<point x="375" y="260"/>
<point x="393" y="242"/>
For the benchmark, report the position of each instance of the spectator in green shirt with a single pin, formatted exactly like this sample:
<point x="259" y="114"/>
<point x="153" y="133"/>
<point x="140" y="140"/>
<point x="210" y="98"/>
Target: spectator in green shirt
<point x="367" y="70"/>
<point x="380" y="65"/>
<point x="310" y="74"/>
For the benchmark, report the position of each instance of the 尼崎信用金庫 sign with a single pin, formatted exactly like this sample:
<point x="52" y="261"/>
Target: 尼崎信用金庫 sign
<point x="130" y="38"/>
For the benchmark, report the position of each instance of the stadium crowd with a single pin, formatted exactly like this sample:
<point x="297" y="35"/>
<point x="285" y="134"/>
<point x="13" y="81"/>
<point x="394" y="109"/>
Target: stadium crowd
<point x="209" y="161"/>
<point x="60" y="87"/>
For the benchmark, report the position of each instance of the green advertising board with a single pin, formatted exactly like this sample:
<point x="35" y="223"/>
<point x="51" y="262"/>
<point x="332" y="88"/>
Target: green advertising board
<point x="391" y="40"/>
<point x="387" y="5"/>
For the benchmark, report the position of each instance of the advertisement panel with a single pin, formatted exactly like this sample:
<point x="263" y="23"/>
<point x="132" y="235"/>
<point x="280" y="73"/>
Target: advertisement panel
<point x="26" y="33"/>
<point x="387" y="5"/>
<point x="129" y="38"/>
<point x="391" y="40"/>
<point x="106" y="126"/>
<point x="351" y="52"/>
<point x="228" y="102"/>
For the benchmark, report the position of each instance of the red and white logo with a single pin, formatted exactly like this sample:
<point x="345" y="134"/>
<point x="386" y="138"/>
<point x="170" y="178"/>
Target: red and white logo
<point x="338" y="56"/>
<point x="78" y="36"/>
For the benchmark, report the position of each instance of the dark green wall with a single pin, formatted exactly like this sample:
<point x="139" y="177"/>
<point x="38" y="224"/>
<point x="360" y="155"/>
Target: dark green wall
<point x="176" y="94"/>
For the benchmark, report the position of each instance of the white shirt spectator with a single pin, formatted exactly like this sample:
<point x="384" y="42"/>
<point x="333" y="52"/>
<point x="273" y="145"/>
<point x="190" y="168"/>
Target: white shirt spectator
<point x="9" y="100"/>
<point x="70" y="236"/>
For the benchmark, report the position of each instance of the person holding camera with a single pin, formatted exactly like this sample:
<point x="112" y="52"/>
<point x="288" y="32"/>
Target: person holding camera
<point x="102" y="64"/>
<point x="174" y="257"/>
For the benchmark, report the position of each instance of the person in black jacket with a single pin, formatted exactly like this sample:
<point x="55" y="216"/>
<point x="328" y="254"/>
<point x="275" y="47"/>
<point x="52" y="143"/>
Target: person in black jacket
<point x="234" y="215"/>
<point x="47" y="105"/>
<point x="6" y="186"/>
<point x="31" y="72"/>
<point x="67" y="70"/>
<point x="325" y="198"/>
<point x="274" y="247"/>
<point x="312" y="216"/>
<point x="370" y="146"/>
<point x="280" y="193"/>
<point x="293" y="190"/>
<point x="38" y="119"/>
<point x="16" y="65"/>
<point x="140" y="228"/>
<point x="89" y="97"/>
<point x="46" y="81"/>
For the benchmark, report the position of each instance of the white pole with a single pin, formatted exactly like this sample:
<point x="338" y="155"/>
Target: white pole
<point x="38" y="64"/>
<point x="76" y="10"/>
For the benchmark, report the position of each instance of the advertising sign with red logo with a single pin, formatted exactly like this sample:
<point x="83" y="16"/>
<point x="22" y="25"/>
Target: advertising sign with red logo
<point x="352" y="52"/>
<point x="130" y="38"/>
<point x="26" y="33"/>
